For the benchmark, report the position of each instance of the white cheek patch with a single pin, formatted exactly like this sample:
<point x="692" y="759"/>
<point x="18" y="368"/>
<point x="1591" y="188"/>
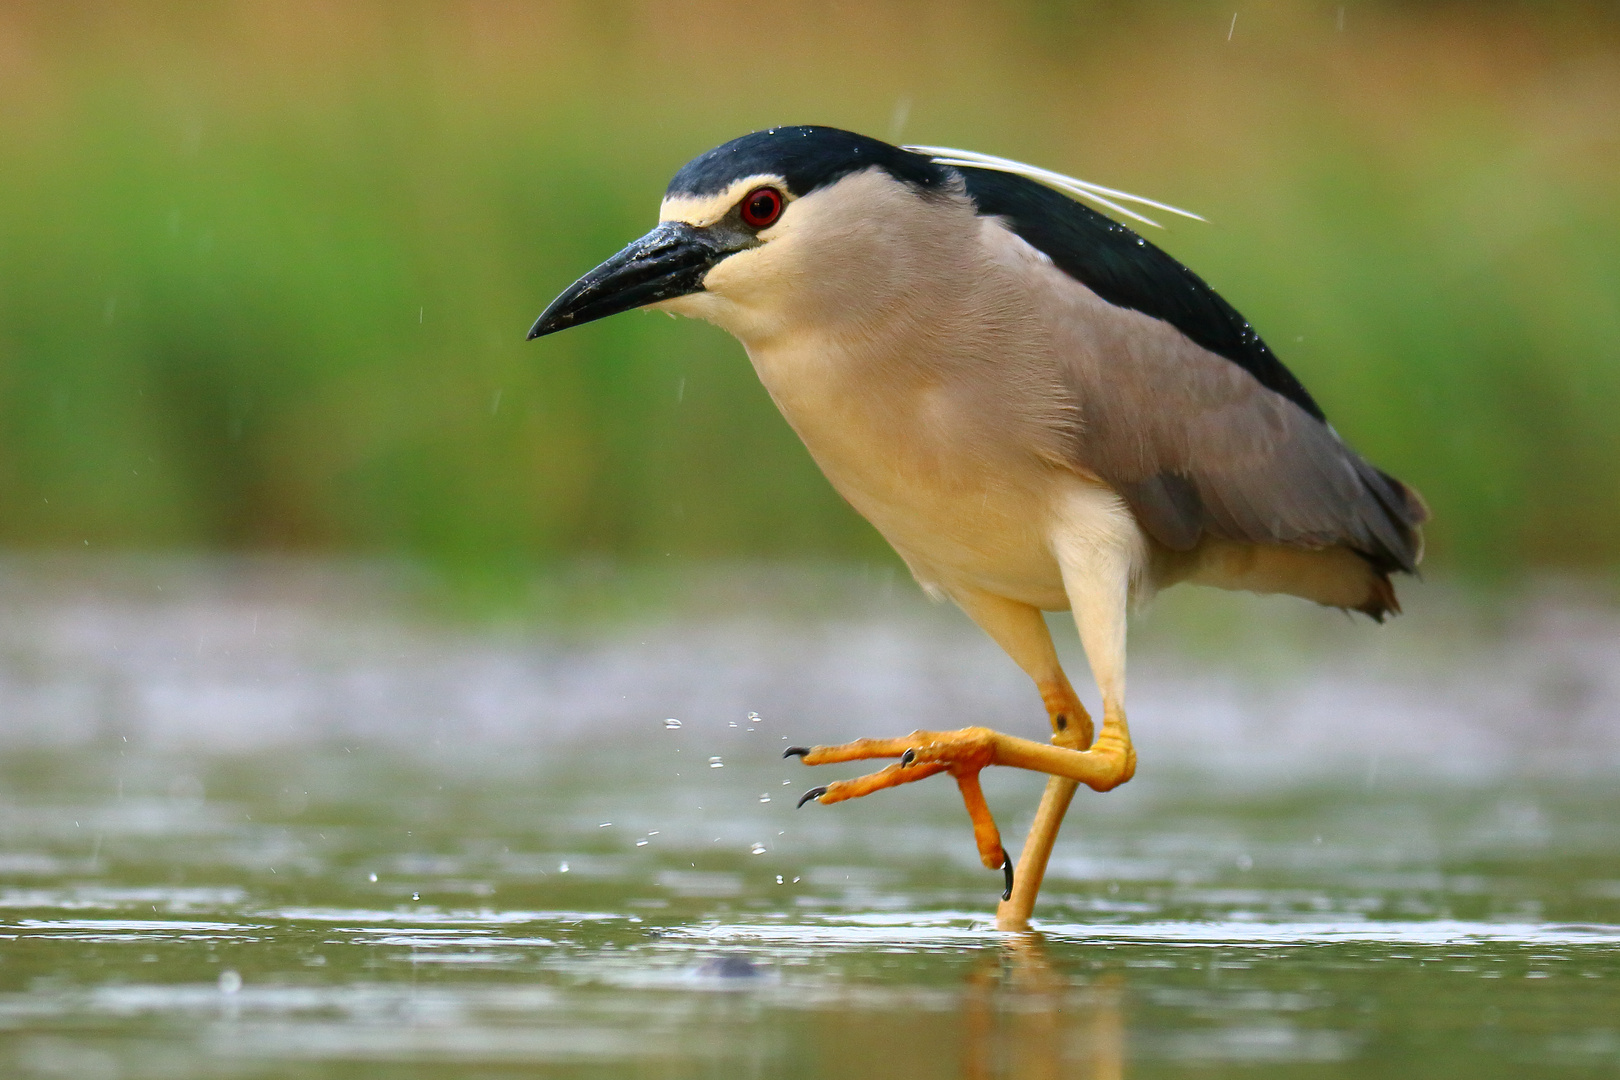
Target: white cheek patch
<point x="702" y="210"/>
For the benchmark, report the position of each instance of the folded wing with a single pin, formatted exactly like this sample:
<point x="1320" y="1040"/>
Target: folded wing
<point x="1182" y="407"/>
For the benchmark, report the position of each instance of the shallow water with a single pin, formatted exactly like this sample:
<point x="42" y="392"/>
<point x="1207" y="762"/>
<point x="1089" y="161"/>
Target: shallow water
<point x="276" y="821"/>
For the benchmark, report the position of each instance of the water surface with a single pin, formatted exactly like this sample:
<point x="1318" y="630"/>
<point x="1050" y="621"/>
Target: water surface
<point x="272" y="820"/>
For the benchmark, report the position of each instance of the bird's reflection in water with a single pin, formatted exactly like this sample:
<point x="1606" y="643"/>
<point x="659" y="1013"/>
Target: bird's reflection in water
<point x="1023" y="1020"/>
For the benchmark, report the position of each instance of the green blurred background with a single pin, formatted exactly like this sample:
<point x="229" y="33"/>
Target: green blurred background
<point x="265" y="269"/>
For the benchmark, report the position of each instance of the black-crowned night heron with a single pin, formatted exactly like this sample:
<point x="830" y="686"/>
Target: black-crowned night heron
<point x="1038" y="408"/>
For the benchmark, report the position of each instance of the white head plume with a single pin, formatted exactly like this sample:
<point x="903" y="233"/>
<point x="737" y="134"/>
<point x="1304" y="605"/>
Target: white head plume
<point x="1080" y="189"/>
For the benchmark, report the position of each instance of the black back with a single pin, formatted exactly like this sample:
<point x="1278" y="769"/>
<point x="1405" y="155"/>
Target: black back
<point x="1124" y="269"/>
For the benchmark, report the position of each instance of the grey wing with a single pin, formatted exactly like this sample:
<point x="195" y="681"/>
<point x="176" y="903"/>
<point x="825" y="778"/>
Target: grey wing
<point x="1195" y="444"/>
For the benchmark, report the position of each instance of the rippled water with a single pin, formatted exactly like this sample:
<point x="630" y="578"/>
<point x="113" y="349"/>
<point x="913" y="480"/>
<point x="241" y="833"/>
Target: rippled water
<point x="273" y="820"/>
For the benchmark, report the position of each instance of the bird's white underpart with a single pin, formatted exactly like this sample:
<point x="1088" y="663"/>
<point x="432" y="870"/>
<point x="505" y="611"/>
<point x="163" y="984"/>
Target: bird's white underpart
<point x="1084" y="190"/>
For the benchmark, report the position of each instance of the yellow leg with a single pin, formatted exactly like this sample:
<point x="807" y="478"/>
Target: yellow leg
<point x="985" y="833"/>
<point x="1019" y="902"/>
<point x="1071" y="759"/>
<point x="1114" y="745"/>
<point x="1021" y="631"/>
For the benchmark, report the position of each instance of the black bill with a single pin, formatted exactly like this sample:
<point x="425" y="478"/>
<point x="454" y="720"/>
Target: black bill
<point x="668" y="262"/>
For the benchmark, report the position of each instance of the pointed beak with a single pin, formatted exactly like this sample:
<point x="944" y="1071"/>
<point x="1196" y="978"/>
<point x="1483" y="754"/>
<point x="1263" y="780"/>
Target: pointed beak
<point x="668" y="262"/>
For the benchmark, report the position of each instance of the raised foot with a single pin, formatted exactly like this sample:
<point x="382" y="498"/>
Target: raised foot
<point x="1109" y="762"/>
<point x="964" y="753"/>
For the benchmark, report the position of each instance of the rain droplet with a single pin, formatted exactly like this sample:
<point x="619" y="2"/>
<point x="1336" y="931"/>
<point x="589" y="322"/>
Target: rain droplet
<point x="672" y="724"/>
<point x="787" y="783"/>
<point x="757" y="849"/>
<point x="795" y="881"/>
<point x="373" y="877"/>
<point x="416" y="896"/>
<point x="716" y="763"/>
<point x="229" y="982"/>
<point x="604" y="824"/>
<point x="562" y="868"/>
<point x="641" y="843"/>
<point x="754" y="718"/>
<point x="779" y="879"/>
<point x="763" y="797"/>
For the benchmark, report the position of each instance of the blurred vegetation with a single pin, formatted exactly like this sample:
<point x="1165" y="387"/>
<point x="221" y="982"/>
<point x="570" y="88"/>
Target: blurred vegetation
<point x="265" y="269"/>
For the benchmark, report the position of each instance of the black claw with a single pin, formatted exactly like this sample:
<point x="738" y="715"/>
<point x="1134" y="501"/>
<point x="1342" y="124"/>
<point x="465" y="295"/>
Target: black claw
<point x="796" y="751"/>
<point x="813" y="793"/>
<point x="1006" y="868"/>
<point x="908" y="757"/>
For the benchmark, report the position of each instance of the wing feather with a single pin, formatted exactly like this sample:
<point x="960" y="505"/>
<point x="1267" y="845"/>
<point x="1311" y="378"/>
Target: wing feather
<point x="1180" y="405"/>
<point x="1197" y="445"/>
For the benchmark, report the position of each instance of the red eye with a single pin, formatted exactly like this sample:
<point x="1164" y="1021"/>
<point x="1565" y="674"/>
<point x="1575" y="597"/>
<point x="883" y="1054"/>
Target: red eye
<point x="761" y="207"/>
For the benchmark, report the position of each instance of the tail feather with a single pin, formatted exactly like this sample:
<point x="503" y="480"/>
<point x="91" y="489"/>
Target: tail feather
<point x="1334" y="576"/>
<point x="1381" y="601"/>
<point x="1393" y="541"/>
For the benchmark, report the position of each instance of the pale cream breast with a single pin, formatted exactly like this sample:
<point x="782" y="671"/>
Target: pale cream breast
<point x="956" y="508"/>
<point x="921" y="381"/>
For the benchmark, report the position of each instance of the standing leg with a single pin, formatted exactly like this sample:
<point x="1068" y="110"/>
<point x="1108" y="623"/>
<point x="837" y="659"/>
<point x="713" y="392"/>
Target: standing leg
<point x="1097" y="556"/>
<point x="1097" y="559"/>
<point x="1021" y="631"/>
<point x="1097" y="576"/>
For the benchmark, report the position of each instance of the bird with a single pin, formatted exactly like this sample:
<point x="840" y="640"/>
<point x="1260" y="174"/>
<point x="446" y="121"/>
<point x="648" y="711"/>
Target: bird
<point x="1037" y="408"/>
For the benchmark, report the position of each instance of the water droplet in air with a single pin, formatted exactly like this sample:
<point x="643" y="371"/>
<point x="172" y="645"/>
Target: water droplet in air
<point x="641" y="843"/>
<point x="754" y="718"/>
<point x="562" y="868"/>
<point x="732" y="724"/>
<point x="757" y="849"/>
<point x="672" y="724"/>
<point x="779" y="879"/>
<point x="229" y="982"/>
<point x="373" y="877"/>
<point x="716" y="763"/>
<point x="763" y="797"/>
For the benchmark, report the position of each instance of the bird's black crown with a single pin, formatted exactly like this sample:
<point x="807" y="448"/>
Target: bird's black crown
<point x="807" y="157"/>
